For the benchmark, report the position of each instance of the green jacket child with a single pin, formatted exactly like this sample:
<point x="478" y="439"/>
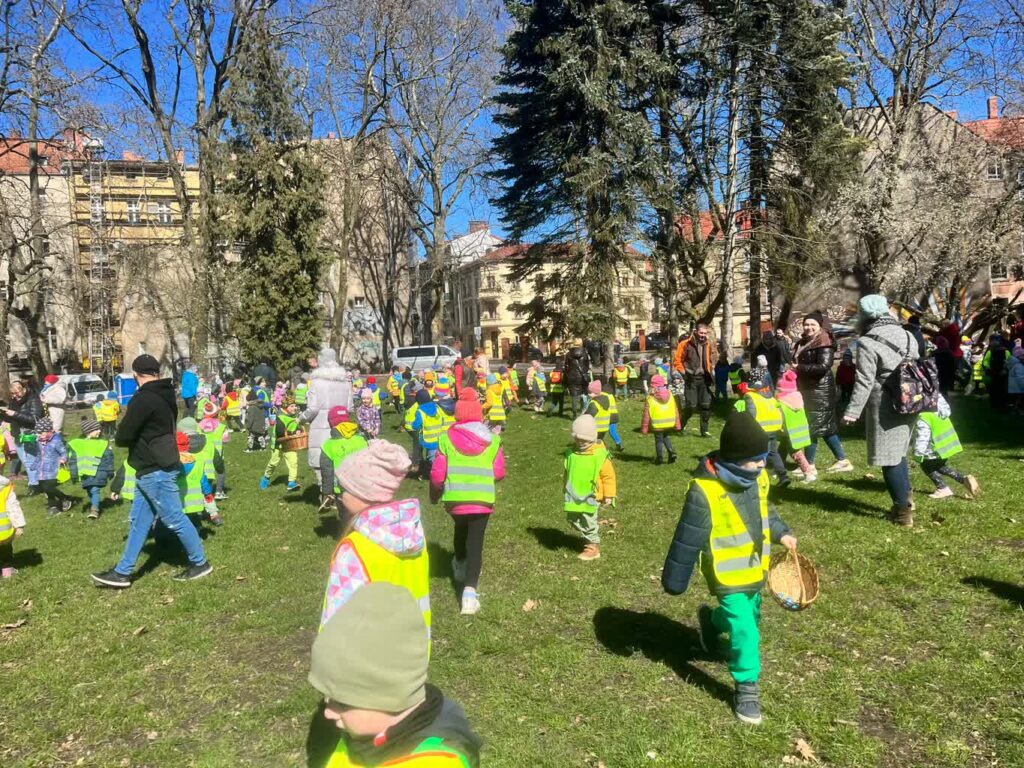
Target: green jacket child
<point x="345" y="439"/>
<point x="728" y="527"/>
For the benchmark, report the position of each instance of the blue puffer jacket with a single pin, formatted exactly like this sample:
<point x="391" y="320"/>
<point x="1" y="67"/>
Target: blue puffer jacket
<point x="51" y="453"/>
<point x="189" y="384"/>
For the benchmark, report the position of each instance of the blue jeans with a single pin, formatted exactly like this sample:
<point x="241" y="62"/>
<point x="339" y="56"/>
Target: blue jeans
<point x="156" y="496"/>
<point x="834" y="444"/>
<point x="95" y="494"/>
<point x="613" y="430"/>
<point x="897" y="482"/>
<point x="30" y="462"/>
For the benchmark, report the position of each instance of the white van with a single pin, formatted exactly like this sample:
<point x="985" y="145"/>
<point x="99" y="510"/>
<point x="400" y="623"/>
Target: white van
<point x="82" y="388"/>
<point x="425" y="356"/>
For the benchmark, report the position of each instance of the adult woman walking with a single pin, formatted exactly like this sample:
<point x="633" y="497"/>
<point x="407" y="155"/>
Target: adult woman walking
<point x="329" y="385"/>
<point x="882" y="346"/>
<point x="26" y="409"/>
<point x="814" y="356"/>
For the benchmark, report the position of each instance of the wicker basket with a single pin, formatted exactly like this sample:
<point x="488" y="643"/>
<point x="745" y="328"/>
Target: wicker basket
<point x="297" y="442"/>
<point x="793" y="581"/>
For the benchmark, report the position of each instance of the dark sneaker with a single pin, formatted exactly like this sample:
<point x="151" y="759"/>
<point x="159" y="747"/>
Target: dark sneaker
<point x="746" y="703"/>
<point x="659" y="461"/>
<point x="66" y="505"/>
<point x="112" y="579"/>
<point x="52" y="511"/>
<point x="710" y="639"/>
<point x="194" y="572"/>
<point x="672" y="458"/>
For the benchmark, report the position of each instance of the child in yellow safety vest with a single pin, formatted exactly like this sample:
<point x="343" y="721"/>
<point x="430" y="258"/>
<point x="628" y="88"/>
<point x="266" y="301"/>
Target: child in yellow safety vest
<point x="287" y="424"/>
<point x="589" y="483"/>
<point x="107" y="410"/>
<point x="217" y="434"/>
<point x="728" y="527"/>
<point x="232" y="407"/>
<point x="91" y="462"/>
<point x="345" y="439"/>
<point x="757" y="400"/>
<point x="935" y="443"/>
<point x="494" y="404"/>
<point x="620" y="375"/>
<point x="795" y="425"/>
<point x="429" y="422"/>
<point x="383" y="539"/>
<point x="537" y="383"/>
<point x="370" y="664"/>
<point x="605" y="411"/>
<point x="661" y="416"/>
<point x="196" y="489"/>
<point x="12" y="524"/>
<point x="470" y="460"/>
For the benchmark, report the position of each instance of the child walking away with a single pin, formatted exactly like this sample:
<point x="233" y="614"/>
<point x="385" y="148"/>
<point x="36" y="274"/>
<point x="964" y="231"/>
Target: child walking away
<point x="846" y="378"/>
<point x="287" y="425"/>
<point x="217" y="434"/>
<point x="469" y="462"/>
<point x="935" y="444"/>
<point x="368" y="415"/>
<point x="91" y="462"/>
<point x="661" y="416"/>
<point x="345" y="439"/>
<point x="370" y="663"/>
<point x="556" y="391"/>
<point x="722" y="371"/>
<point x="255" y="423"/>
<point x="107" y="409"/>
<point x="728" y="526"/>
<point x="12" y="524"/>
<point x="605" y="411"/>
<point x="589" y="482"/>
<point x="429" y="423"/>
<point x="233" y="407"/>
<point x="757" y="400"/>
<point x="537" y="383"/>
<point x="795" y="424"/>
<point x="52" y="456"/>
<point x="194" y="485"/>
<point x="382" y="538"/>
<point x="620" y="375"/>
<point x="1015" y="378"/>
<point x="494" y="404"/>
<point x="736" y="374"/>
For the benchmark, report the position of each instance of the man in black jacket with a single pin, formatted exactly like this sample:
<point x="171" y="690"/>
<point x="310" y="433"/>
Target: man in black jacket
<point x="148" y="432"/>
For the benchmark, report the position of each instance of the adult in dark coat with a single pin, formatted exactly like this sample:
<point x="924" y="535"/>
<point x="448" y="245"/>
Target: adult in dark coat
<point x="265" y="371"/>
<point x="774" y="353"/>
<point x="945" y="364"/>
<point x="913" y="327"/>
<point x="26" y="409"/>
<point x="577" y="377"/>
<point x="813" y="359"/>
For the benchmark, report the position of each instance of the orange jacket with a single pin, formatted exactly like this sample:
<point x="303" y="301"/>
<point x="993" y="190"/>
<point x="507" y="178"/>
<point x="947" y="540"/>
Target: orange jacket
<point x="678" y="363"/>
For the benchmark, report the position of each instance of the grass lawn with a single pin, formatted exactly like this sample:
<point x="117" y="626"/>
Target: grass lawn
<point x="911" y="657"/>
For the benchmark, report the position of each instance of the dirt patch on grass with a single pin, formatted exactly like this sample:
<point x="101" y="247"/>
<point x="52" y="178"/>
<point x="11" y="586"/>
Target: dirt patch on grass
<point x="900" y="751"/>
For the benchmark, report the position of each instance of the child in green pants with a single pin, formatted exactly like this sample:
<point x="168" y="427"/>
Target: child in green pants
<point x="287" y="425"/>
<point x="728" y="526"/>
<point x="589" y="482"/>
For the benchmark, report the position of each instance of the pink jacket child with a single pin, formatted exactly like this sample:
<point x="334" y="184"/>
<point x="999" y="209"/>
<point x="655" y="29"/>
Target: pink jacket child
<point x="383" y="538"/>
<point x="661" y="395"/>
<point x="468" y="437"/>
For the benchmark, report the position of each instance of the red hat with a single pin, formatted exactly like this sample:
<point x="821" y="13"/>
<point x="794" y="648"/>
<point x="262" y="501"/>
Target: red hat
<point x="468" y="407"/>
<point x="52" y="379"/>
<point x="337" y="415"/>
<point x="787" y="383"/>
<point x="182" y="439"/>
<point x="371" y="379"/>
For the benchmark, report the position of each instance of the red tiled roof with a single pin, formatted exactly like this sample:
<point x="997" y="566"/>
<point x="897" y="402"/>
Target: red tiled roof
<point x="709" y="225"/>
<point x="1008" y="131"/>
<point x="14" y="153"/>
<point x="519" y="251"/>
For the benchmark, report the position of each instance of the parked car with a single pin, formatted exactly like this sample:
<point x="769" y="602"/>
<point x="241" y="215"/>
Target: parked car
<point x="83" y="388"/>
<point x="515" y="353"/>
<point x="425" y="356"/>
<point x="654" y="341"/>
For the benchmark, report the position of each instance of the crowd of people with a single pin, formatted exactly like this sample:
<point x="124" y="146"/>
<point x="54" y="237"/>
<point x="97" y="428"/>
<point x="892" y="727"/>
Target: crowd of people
<point x="376" y="607"/>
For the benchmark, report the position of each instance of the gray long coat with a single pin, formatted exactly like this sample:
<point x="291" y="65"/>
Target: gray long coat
<point x="888" y="432"/>
<point x="329" y="385"/>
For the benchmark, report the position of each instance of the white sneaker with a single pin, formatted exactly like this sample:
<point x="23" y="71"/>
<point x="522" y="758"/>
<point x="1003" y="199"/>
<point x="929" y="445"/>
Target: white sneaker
<point x="797" y="473"/>
<point x="841" y="466"/>
<point x="470" y="602"/>
<point x="459" y="570"/>
<point x="810" y="479"/>
<point x="942" y="493"/>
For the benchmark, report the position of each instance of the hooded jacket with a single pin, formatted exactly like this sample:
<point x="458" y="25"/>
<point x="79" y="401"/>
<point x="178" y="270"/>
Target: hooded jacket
<point x="470" y="439"/>
<point x="814" y="360"/>
<point x="329" y="385"/>
<point x="396" y="527"/>
<point x="148" y="427"/>
<point x="430" y="409"/>
<point x="54" y="397"/>
<point x="923" y="445"/>
<point x="1015" y="374"/>
<point x="693" y="533"/>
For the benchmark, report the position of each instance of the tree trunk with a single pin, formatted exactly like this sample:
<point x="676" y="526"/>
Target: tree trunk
<point x="732" y="188"/>
<point x="439" y="272"/>
<point x="35" y="303"/>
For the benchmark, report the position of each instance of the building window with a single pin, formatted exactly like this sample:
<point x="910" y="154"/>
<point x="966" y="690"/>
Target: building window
<point x="96" y="212"/>
<point x="163" y="213"/>
<point x="492" y="284"/>
<point x="999" y="272"/>
<point x="44" y="244"/>
<point x="44" y="162"/>
<point x="42" y="191"/>
<point x="357" y="302"/>
<point x="994" y="169"/>
<point x="134" y="212"/>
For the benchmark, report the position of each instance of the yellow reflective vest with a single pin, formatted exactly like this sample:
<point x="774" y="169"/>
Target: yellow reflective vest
<point x="434" y="752"/>
<point x="737" y="560"/>
<point x="663" y="415"/>
<point x="767" y="411"/>
<point x="6" y="526"/>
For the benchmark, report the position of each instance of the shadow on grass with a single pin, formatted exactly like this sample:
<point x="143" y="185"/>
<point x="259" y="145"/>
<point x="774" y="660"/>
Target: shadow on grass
<point x="328" y="526"/>
<point x="27" y="558"/>
<point x="1011" y="593"/>
<point x="441" y="567"/>
<point x="309" y="494"/>
<point x="321" y="739"/>
<point x="816" y="496"/>
<point x="555" y="539"/>
<point x="657" y="638"/>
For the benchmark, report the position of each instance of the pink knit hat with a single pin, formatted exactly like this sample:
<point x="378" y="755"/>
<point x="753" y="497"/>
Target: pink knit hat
<point x="594" y="388"/>
<point x="374" y="473"/>
<point x="337" y="415"/>
<point x="658" y="381"/>
<point x="468" y="407"/>
<point x="787" y="383"/>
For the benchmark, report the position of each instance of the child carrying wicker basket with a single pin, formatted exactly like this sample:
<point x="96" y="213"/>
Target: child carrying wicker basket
<point x="286" y="441"/>
<point x="729" y="527"/>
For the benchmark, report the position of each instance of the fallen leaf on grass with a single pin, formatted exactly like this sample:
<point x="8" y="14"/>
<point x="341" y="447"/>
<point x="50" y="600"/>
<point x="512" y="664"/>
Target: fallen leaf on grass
<point x="140" y="631"/>
<point x="652" y="755"/>
<point x="529" y="605"/>
<point x="803" y="749"/>
<point x="26" y="604"/>
<point x="944" y="553"/>
<point x="167" y="599"/>
<point x="15" y="624"/>
<point x="870" y="476"/>
<point x="239" y="577"/>
<point x="152" y="735"/>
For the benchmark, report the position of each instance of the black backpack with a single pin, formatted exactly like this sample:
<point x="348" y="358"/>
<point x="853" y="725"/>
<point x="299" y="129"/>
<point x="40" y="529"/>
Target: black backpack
<point x="913" y="386"/>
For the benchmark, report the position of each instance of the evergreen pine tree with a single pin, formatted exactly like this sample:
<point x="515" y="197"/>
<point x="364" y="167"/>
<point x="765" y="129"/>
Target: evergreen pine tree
<point x="274" y="195"/>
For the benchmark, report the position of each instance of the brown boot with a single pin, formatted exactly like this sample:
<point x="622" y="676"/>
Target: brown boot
<point x="590" y="552"/>
<point x="902" y="516"/>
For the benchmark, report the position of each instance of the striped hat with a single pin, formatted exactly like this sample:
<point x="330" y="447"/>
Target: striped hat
<point x="89" y="426"/>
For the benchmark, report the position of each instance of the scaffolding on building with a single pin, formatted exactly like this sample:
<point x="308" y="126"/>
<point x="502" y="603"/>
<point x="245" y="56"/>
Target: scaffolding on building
<point x="99" y="269"/>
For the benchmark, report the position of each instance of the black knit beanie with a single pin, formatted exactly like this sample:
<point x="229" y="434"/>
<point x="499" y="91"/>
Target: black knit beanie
<point x="742" y="438"/>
